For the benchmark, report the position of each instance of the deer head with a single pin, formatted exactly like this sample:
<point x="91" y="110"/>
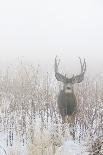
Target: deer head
<point x="68" y="82"/>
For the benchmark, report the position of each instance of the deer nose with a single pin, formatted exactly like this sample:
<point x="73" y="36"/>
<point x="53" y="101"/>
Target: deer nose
<point x="68" y="88"/>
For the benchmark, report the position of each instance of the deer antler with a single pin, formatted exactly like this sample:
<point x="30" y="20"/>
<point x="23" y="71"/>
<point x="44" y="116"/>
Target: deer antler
<point x="79" y="78"/>
<point x="75" y="79"/>
<point x="59" y="76"/>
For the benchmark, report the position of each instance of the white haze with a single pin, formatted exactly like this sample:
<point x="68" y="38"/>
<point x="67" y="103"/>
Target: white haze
<point x="37" y="30"/>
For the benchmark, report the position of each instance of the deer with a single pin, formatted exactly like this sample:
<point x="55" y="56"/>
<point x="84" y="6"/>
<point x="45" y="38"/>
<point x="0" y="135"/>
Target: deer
<point x="67" y="102"/>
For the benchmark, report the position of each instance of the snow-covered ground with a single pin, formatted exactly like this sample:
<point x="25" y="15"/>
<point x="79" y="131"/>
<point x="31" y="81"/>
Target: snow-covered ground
<point x="65" y="145"/>
<point x="70" y="147"/>
<point x="32" y="123"/>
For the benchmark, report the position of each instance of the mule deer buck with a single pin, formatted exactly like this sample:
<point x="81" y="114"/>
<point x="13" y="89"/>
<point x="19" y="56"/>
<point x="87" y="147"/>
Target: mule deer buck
<point x="67" y="103"/>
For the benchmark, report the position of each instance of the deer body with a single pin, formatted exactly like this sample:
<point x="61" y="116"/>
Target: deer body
<point x="67" y="104"/>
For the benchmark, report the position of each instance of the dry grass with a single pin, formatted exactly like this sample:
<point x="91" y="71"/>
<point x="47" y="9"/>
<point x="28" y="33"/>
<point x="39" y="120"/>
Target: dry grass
<point x="26" y="94"/>
<point x="43" y="144"/>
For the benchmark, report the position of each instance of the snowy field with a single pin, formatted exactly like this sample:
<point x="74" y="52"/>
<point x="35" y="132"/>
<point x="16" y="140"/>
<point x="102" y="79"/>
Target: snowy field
<point x="49" y="141"/>
<point x="31" y="125"/>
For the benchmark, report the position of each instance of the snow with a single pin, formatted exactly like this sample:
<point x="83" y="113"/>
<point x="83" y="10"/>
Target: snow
<point x="71" y="147"/>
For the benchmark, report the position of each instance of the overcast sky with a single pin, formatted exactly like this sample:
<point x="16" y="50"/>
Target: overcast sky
<point x="37" y="30"/>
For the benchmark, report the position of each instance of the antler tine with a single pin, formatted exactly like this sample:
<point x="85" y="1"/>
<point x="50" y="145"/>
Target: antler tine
<point x="56" y="64"/>
<point x="81" y="65"/>
<point x="84" y="66"/>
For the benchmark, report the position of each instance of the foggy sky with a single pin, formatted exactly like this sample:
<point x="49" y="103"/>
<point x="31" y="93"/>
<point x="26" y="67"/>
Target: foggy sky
<point x="37" y="30"/>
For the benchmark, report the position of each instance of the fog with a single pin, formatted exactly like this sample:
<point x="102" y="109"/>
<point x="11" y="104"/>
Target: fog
<point x="37" y="31"/>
